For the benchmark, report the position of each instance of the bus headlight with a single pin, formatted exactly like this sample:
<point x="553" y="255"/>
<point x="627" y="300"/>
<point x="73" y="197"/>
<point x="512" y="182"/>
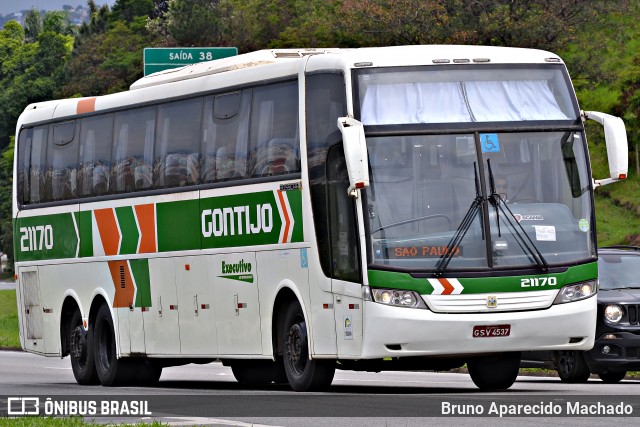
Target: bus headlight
<point x="576" y="292"/>
<point x="398" y="298"/>
<point x="613" y="313"/>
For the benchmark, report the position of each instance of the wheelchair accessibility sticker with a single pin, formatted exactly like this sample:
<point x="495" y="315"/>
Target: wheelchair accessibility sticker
<point x="489" y="143"/>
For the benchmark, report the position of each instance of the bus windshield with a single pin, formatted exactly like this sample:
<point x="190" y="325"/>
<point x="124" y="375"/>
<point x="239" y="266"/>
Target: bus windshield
<point x="426" y="189"/>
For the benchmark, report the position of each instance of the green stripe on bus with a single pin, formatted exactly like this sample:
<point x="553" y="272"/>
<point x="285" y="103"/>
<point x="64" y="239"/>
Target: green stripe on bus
<point x="128" y="230"/>
<point x="481" y="285"/>
<point x="85" y="229"/>
<point x="140" y="272"/>
<point x="45" y="237"/>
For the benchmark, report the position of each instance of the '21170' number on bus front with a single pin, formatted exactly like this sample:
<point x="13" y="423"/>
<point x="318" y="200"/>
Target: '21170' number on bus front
<point x="36" y="238"/>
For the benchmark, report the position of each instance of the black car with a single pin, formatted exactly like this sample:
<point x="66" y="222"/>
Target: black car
<point x="617" y="345"/>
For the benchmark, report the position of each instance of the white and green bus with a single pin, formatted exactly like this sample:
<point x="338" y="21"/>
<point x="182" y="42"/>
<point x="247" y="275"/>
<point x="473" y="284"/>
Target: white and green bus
<point x="290" y="212"/>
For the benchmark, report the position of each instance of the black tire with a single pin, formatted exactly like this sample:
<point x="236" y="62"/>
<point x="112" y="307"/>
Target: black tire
<point x="302" y="373"/>
<point x="81" y="351"/>
<point x="572" y="367"/>
<point x="496" y="372"/>
<point x="147" y="372"/>
<point x="258" y="372"/>
<point x="111" y="370"/>
<point x="612" y="377"/>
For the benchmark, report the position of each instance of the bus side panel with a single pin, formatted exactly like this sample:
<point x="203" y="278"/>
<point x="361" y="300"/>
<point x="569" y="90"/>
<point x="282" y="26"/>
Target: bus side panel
<point x="30" y="313"/>
<point x="196" y="300"/>
<point x="162" y="333"/>
<point x="278" y="269"/>
<point x="236" y="307"/>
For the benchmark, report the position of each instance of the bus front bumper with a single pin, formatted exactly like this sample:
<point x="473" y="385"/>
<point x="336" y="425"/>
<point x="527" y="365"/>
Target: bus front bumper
<point x="401" y="332"/>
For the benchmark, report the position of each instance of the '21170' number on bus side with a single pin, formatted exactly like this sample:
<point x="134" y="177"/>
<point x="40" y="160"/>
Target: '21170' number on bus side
<point x="36" y="238"/>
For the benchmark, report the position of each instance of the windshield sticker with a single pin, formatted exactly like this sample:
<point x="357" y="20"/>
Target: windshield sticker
<point x="583" y="224"/>
<point x="519" y="217"/>
<point x="489" y="143"/>
<point x="545" y="233"/>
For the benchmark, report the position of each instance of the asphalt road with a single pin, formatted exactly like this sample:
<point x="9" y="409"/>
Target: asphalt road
<point x="209" y="395"/>
<point x="5" y="286"/>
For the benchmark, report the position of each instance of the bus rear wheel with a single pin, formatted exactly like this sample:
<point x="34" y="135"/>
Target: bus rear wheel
<point x="303" y="374"/>
<point x="81" y="351"/>
<point x="496" y="372"/>
<point x="111" y="370"/>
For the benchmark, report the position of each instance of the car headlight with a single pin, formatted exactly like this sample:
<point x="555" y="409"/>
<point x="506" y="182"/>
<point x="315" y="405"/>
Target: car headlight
<point x="398" y="298"/>
<point x="576" y="292"/>
<point x="613" y="313"/>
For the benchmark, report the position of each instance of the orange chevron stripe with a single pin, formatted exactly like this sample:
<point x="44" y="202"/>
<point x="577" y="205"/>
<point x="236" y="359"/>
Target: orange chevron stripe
<point x="448" y="287"/>
<point x="287" y="218"/>
<point x="108" y="228"/>
<point x="86" y="106"/>
<point x="146" y="215"/>
<point x="123" y="283"/>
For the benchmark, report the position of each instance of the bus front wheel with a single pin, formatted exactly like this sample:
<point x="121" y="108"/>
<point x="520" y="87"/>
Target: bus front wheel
<point x="81" y="351"/>
<point x="303" y="374"/>
<point x="496" y="372"/>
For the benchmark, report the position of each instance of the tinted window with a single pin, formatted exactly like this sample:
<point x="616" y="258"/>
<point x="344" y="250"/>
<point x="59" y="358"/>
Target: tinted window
<point x="325" y="102"/>
<point x="24" y="154"/>
<point x="619" y="271"/>
<point x="62" y="161"/>
<point x="133" y="150"/>
<point x="274" y="125"/>
<point x="225" y="136"/>
<point x="38" y="173"/>
<point x="178" y="143"/>
<point x="96" y="137"/>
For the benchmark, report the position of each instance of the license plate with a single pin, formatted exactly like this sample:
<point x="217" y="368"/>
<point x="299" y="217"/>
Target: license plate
<point x="488" y="331"/>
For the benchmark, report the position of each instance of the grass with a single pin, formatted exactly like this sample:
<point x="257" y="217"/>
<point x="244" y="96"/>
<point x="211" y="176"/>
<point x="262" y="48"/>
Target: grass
<point x="9" y="333"/>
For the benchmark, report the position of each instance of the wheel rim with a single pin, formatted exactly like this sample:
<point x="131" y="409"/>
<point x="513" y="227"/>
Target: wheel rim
<point x="104" y="346"/>
<point x="297" y="351"/>
<point x="79" y="346"/>
<point x="566" y="364"/>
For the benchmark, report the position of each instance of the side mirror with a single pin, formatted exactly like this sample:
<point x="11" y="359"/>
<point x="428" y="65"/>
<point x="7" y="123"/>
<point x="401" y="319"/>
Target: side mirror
<point x="615" y="137"/>
<point x="355" y="153"/>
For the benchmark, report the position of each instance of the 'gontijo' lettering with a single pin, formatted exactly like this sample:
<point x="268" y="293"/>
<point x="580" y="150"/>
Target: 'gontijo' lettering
<point x="237" y="220"/>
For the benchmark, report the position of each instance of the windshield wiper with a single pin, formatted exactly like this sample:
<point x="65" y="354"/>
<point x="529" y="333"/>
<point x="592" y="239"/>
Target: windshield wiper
<point x="523" y="239"/>
<point x="462" y="229"/>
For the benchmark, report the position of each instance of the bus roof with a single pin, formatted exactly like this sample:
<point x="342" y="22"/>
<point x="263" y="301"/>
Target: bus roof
<point x="276" y="63"/>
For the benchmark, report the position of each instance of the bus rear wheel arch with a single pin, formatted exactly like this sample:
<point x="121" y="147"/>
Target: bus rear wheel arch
<point x="303" y="373"/>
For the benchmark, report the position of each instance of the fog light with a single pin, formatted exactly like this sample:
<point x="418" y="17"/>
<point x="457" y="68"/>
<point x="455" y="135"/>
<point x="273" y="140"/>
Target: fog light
<point x="609" y="337"/>
<point x="606" y="349"/>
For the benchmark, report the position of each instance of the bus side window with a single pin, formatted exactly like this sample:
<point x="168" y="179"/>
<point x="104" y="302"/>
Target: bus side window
<point x="225" y="136"/>
<point x="24" y="157"/>
<point x="38" y="187"/>
<point x="96" y="139"/>
<point x="274" y="130"/>
<point x="133" y="150"/>
<point x="62" y="160"/>
<point x="342" y="219"/>
<point x="176" y="153"/>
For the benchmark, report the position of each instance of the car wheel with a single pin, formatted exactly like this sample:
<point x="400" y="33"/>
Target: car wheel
<point x="571" y="367"/>
<point x="612" y="377"/>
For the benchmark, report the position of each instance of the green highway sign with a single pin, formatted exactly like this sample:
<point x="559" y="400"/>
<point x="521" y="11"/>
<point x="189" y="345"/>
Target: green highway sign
<point x="163" y="58"/>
